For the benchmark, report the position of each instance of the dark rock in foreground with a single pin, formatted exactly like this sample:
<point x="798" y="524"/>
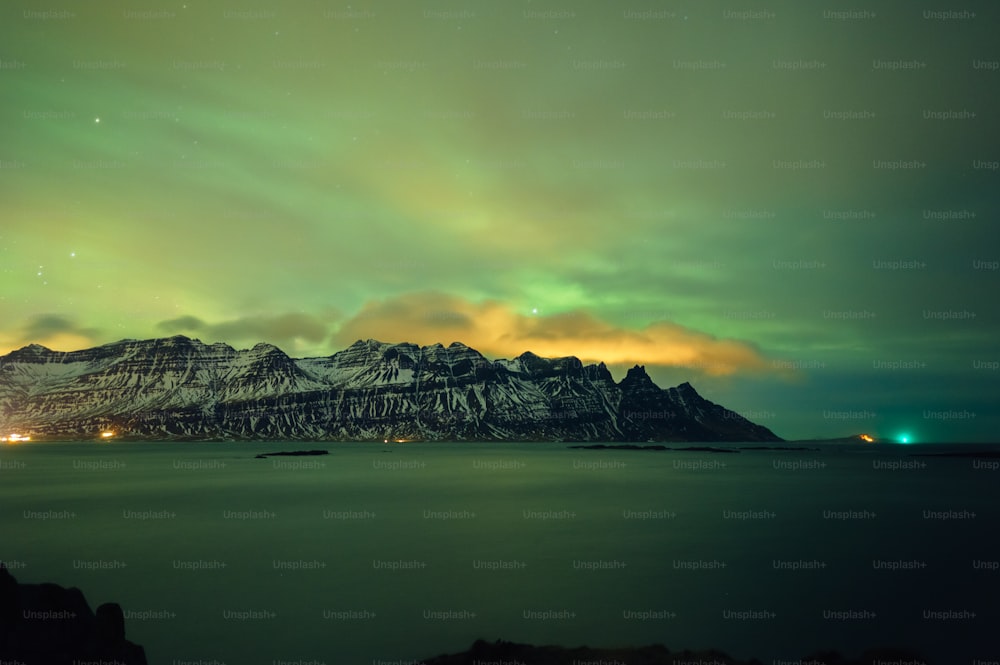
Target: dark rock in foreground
<point x="181" y="389"/>
<point x="293" y="453"/>
<point x="509" y="652"/>
<point x="46" y="624"/>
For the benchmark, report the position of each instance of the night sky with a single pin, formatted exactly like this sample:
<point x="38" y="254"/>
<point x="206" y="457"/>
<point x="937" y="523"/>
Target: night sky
<point x="793" y="205"/>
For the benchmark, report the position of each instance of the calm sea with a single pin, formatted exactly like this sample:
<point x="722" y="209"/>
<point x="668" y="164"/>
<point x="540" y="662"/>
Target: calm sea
<point x="379" y="554"/>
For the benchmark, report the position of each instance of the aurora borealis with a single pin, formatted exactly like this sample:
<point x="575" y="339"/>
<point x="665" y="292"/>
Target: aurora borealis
<point x="792" y="205"/>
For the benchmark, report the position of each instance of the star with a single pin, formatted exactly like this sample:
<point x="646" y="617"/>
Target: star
<point x="97" y="121"/>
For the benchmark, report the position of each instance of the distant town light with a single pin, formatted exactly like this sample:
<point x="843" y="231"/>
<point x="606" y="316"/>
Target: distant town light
<point x="15" y="438"/>
<point x="107" y="434"/>
<point x="865" y="437"/>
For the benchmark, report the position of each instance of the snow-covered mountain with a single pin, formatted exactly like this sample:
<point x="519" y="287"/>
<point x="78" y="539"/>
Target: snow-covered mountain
<point x="180" y="388"/>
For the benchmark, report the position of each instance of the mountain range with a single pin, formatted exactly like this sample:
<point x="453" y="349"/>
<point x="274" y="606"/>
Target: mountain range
<point x="180" y="388"/>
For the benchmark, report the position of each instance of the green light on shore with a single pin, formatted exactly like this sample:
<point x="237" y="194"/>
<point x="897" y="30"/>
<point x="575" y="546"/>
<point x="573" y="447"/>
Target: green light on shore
<point x="904" y="438"/>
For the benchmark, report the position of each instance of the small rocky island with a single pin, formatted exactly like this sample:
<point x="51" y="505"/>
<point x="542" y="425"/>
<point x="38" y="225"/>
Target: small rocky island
<point x="699" y="449"/>
<point x="632" y="446"/>
<point x="293" y="453"/>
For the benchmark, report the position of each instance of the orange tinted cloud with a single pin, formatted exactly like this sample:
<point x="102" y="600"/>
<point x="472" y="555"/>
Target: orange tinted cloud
<point x="53" y="330"/>
<point x="496" y="330"/>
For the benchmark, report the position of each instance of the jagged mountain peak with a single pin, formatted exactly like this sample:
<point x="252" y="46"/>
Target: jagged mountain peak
<point x="366" y="344"/>
<point x="377" y="345"/>
<point x="30" y="351"/>
<point x="174" y="341"/>
<point x="179" y="387"/>
<point x="637" y="378"/>
<point x="265" y="348"/>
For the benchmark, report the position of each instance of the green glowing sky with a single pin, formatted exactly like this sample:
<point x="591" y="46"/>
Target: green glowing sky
<point x="702" y="188"/>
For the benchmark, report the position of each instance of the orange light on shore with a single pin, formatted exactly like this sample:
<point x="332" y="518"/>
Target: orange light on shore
<point x="15" y="438"/>
<point x="107" y="434"/>
<point x="865" y="437"/>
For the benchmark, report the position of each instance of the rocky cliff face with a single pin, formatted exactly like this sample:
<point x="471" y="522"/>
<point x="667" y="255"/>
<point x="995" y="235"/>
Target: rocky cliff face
<point x="46" y="624"/>
<point x="181" y="388"/>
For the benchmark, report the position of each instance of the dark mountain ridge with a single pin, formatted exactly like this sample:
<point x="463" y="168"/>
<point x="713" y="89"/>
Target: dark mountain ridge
<point x="181" y="388"/>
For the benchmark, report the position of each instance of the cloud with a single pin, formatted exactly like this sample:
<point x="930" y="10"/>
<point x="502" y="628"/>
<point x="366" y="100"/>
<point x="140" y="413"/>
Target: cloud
<point x="497" y="330"/>
<point x="282" y="330"/>
<point x="490" y="326"/>
<point x="47" y="325"/>
<point x="182" y="324"/>
<point x="52" y="330"/>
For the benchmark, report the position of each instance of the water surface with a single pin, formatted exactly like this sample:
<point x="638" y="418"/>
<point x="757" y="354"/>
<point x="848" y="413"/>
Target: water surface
<point x="396" y="552"/>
